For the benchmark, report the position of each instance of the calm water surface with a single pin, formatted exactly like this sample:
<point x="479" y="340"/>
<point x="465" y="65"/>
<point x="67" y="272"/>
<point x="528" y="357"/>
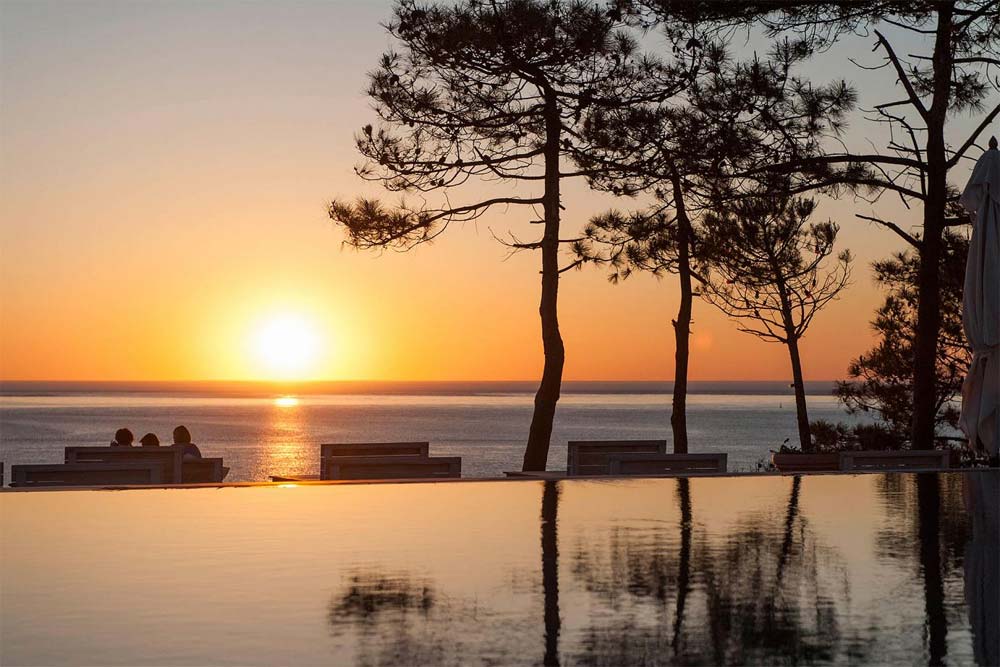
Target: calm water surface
<point x="259" y="436"/>
<point x="865" y="569"/>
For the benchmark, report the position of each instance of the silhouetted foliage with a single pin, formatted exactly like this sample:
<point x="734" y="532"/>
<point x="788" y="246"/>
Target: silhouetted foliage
<point x="838" y="437"/>
<point x="881" y="380"/>
<point x="961" y="42"/>
<point x="737" y="113"/>
<point x="495" y="91"/>
<point x="769" y="273"/>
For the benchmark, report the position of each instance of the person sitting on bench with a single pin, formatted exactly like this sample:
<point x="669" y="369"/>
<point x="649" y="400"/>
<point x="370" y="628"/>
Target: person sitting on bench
<point x="123" y="438"/>
<point x="149" y="440"/>
<point x="182" y="437"/>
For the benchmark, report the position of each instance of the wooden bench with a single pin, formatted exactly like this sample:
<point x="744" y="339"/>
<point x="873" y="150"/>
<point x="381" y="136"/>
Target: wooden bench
<point x="381" y="450"/>
<point x="203" y="471"/>
<point x="420" y="449"/>
<point x="391" y="467"/>
<point x="169" y="458"/>
<point x="590" y="457"/>
<point x="175" y="469"/>
<point x="665" y="464"/>
<point x="86" y="474"/>
<point x="911" y="459"/>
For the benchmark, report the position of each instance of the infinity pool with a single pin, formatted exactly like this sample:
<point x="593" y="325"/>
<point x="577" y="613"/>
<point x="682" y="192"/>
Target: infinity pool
<point x="880" y="569"/>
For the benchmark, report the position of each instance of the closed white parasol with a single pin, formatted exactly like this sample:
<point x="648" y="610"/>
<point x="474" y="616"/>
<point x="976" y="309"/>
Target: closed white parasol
<point x="981" y="305"/>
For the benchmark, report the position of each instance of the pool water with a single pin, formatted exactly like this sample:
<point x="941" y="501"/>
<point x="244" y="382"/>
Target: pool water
<point x="875" y="568"/>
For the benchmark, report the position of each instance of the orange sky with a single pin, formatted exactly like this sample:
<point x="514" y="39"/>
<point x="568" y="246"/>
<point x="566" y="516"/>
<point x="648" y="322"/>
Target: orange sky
<point x="164" y="170"/>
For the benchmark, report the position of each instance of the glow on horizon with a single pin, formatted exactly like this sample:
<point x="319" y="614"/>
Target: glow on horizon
<point x="286" y="401"/>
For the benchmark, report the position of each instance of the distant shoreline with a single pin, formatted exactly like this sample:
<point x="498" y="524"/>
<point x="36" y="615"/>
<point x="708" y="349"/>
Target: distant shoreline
<point x="439" y="388"/>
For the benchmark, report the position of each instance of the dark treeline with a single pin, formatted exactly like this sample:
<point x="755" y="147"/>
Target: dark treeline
<point x="716" y="155"/>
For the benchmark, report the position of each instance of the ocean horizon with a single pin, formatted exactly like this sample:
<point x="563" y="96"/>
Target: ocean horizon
<point x="263" y="429"/>
<point x="432" y="387"/>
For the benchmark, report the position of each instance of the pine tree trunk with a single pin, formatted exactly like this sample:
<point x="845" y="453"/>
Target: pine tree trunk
<point x="682" y="325"/>
<point x="537" y="451"/>
<point x="802" y="415"/>
<point x="792" y="343"/>
<point x="928" y="285"/>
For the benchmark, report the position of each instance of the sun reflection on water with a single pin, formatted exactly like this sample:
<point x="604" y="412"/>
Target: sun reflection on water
<point x="286" y="449"/>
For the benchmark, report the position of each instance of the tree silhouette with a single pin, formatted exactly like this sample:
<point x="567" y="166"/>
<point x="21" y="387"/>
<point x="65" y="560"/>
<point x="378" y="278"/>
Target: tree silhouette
<point x="495" y="91"/>
<point x="956" y="73"/>
<point x="881" y="380"/>
<point x="675" y="151"/>
<point x="769" y="272"/>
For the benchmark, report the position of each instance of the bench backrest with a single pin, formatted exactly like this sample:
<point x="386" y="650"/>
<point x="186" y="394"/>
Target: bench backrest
<point x="911" y="459"/>
<point x="390" y="467"/>
<point x="375" y="449"/>
<point x="169" y="458"/>
<point x="590" y="457"/>
<point x="202" y="471"/>
<point x="662" y="464"/>
<point x="86" y="474"/>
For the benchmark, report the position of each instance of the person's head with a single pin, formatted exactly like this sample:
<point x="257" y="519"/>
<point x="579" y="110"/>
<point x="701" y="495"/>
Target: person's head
<point x="123" y="436"/>
<point x="182" y="436"/>
<point x="149" y="440"/>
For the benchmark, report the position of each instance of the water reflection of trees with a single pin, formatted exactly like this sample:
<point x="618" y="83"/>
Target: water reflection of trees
<point x="766" y="593"/>
<point x="393" y="618"/>
<point x="550" y="571"/>
<point x="367" y="596"/>
<point x="402" y="619"/>
<point x="926" y="528"/>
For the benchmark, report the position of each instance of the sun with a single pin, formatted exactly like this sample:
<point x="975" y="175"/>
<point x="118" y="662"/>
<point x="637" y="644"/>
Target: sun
<point x="286" y="346"/>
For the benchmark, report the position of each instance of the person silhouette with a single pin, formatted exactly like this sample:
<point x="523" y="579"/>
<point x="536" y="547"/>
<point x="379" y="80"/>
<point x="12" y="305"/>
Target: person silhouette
<point x="123" y="438"/>
<point x="149" y="440"/>
<point x="182" y="438"/>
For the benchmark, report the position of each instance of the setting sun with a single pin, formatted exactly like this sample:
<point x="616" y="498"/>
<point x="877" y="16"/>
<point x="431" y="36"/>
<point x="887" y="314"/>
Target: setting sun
<point x="286" y="346"/>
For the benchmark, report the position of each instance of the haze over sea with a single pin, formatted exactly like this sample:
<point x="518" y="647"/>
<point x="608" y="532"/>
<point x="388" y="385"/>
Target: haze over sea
<point x="259" y="430"/>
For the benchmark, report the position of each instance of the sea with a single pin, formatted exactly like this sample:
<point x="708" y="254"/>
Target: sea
<point x="262" y="430"/>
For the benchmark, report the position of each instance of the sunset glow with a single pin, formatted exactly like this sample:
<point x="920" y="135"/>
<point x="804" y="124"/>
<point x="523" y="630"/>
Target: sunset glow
<point x="287" y="348"/>
<point x="457" y="310"/>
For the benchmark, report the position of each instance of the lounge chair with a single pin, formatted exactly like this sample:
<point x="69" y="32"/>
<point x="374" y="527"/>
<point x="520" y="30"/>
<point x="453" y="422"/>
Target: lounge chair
<point x="591" y="457"/>
<point x="87" y="474"/>
<point x="664" y="464"/>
